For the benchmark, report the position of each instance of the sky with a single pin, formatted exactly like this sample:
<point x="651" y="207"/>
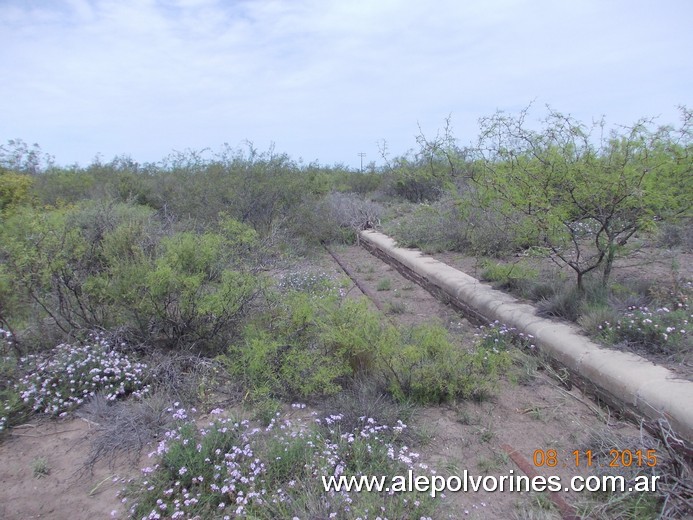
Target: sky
<point x="325" y="80"/>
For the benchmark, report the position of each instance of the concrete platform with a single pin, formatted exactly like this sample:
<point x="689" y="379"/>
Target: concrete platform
<point x="640" y="387"/>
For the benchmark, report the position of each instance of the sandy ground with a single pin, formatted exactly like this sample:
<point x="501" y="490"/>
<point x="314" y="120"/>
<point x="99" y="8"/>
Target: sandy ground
<point x="69" y="490"/>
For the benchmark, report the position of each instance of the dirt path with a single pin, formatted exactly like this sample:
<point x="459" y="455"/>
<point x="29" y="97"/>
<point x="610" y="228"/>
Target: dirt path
<point x="68" y="490"/>
<point x="532" y="414"/>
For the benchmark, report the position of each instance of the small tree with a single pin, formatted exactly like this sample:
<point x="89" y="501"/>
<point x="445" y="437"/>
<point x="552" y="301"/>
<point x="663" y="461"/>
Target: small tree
<point x="19" y="157"/>
<point x="584" y="192"/>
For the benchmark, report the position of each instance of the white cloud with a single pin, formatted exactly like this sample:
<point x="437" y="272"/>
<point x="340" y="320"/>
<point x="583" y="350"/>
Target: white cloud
<point x="323" y="79"/>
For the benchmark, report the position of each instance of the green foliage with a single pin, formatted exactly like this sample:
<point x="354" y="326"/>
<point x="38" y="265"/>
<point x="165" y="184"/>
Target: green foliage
<point x="427" y="368"/>
<point x="432" y="170"/>
<point x="58" y="257"/>
<point x="15" y="191"/>
<point x="40" y="467"/>
<point x="514" y="277"/>
<point x="676" y="234"/>
<point x="583" y="197"/>
<point x="292" y="352"/>
<point x="356" y="182"/>
<point x="258" y="189"/>
<point x="435" y="227"/>
<point x="396" y="307"/>
<point x="41" y="256"/>
<point x="409" y="180"/>
<point x="310" y="346"/>
<point x="358" y="335"/>
<point x="60" y="187"/>
<point x="110" y="265"/>
<point x="287" y="371"/>
<point x="185" y="296"/>
<point x="384" y="285"/>
<point x="312" y="223"/>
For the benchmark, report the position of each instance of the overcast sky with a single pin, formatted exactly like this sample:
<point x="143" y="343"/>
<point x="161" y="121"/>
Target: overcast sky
<point x="325" y="79"/>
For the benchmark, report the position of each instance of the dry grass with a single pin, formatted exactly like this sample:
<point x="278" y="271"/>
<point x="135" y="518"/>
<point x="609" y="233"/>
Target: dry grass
<point x="674" y="495"/>
<point x="125" y="428"/>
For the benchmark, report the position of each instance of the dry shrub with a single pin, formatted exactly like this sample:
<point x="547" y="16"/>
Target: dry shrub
<point x="124" y="428"/>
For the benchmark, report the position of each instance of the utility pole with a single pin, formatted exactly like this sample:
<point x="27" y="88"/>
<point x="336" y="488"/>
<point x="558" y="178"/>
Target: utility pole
<point x="361" y="155"/>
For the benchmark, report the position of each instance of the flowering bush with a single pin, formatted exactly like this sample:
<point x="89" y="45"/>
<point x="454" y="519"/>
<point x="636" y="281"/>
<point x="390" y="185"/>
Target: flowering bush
<point x="661" y="329"/>
<point x="10" y="403"/>
<point x="498" y="337"/>
<point x="230" y="469"/>
<point x="310" y="282"/>
<point x="74" y="373"/>
<point x="5" y="339"/>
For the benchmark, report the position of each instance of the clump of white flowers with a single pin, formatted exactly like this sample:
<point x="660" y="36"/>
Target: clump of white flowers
<point x="72" y="374"/>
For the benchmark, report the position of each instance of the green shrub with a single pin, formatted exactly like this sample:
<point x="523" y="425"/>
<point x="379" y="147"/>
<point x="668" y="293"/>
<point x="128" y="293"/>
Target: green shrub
<point x="15" y="191"/>
<point x="491" y="233"/>
<point x="516" y="277"/>
<point x="358" y="335"/>
<point x="460" y="223"/>
<point x="312" y="346"/>
<point x="396" y="307"/>
<point x="427" y="368"/>
<point x="283" y="353"/>
<point x="676" y="234"/>
<point x="312" y="224"/>
<point x="113" y="265"/>
<point x="286" y="370"/>
<point x="384" y="285"/>
<point x="60" y="187"/>
<point x="434" y="227"/>
<point x="358" y="182"/>
<point x="51" y="255"/>
<point x="187" y="296"/>
<point x="413" y="181"/>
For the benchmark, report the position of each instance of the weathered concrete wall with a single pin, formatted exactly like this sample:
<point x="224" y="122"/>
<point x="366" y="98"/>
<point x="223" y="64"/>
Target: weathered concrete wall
<point x="635" y="385"/>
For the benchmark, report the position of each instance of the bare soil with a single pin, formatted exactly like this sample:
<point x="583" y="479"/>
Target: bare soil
<point x="70" y="490"/>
